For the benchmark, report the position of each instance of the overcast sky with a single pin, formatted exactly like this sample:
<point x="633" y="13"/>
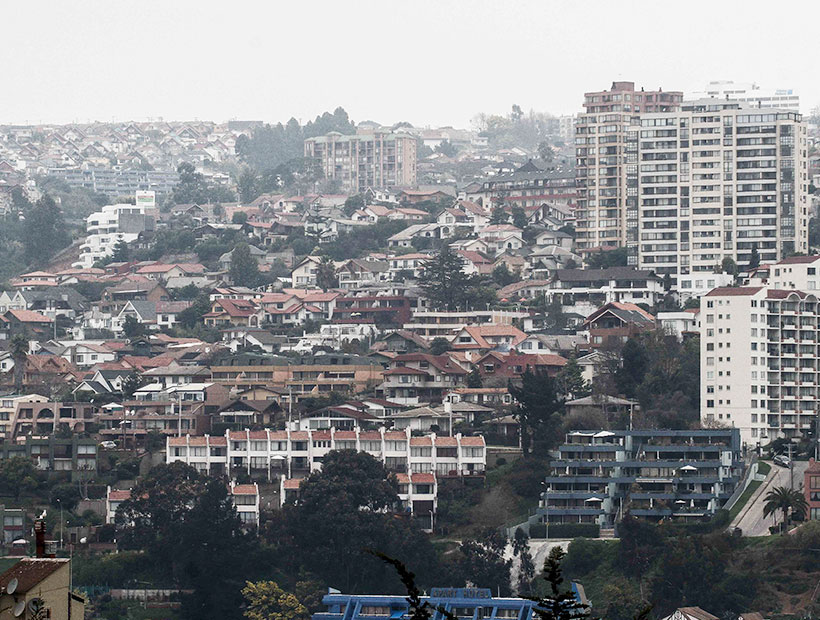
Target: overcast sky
<point x="431" y="63"/>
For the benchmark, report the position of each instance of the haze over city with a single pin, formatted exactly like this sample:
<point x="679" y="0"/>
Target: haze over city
<point x="452" y="310"/>
<point x="381" y="61"/>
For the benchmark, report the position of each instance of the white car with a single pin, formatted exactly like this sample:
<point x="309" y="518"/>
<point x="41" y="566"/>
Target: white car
<point x="782" y="460"/>
<point x="108" y="445"/>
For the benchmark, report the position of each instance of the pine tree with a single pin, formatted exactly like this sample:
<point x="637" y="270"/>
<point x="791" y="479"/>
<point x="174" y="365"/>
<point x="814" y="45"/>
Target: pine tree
<point x="571" y="382"/>
<point x="443" y="281"/>
<point x="558" y="604"/>
<point x="244" y="270"/>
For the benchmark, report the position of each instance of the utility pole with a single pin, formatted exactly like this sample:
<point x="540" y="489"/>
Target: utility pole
<point x="791" y="469"/>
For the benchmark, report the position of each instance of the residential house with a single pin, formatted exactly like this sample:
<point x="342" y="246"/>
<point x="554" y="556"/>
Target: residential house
<point x="228" y="312"/>
<point x="415" y="378"/>
<point x="614" y="323"/>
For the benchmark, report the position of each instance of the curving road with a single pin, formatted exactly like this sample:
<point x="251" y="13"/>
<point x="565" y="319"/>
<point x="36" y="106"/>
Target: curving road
<point x="750" y="520"/>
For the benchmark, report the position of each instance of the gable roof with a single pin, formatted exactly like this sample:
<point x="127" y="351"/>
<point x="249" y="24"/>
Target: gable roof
<point x="31" y="571"/>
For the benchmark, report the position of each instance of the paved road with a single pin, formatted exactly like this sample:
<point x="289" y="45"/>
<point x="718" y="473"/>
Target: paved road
<point x="750" y="520"/>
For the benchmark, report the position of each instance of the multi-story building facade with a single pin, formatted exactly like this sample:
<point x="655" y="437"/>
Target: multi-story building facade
<point x="718" y="179"/>
<point x="266" y="454"/>
<point x="309" y="375"/>
<point x="759" y="361"/>
<point x="527" y="187"/>
<point x="106" y="228"/>
<point x="381" y="159"/>
<point x="605" y="167"/>
<point x="602" y="475"/>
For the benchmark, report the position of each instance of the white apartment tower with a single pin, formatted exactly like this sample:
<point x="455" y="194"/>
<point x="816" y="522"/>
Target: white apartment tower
<point x="759" y="361"/>
<point x="607" y="196"/>
<point x="718" y="179"/>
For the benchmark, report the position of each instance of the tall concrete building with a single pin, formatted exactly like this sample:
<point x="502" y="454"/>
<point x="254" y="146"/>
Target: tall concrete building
<point x="752" y="94"/>
<point x="717" y="179"/>
<point x="381" y="159"/>
<point x="607" y="194"/>
<point x="759" y="361"/>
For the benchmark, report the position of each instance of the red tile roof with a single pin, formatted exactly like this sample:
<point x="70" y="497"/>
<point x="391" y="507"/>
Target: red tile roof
<point x="29" y="316"/>
<point x="472" y="441"/>
<point x="245" y="489"/>
<point x="420" y="478"/>
<point x="729" y="291"/>
<point x="116" y="495"/>
<point x="795" y="260"/>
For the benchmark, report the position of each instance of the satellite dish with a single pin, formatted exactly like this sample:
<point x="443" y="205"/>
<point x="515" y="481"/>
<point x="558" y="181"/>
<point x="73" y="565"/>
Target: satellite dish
<point x="19" y="608"/>
<point x="12" y="586"/>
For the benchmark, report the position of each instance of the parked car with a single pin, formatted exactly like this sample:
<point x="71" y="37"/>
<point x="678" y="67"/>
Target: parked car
<point x="782" y="460"/>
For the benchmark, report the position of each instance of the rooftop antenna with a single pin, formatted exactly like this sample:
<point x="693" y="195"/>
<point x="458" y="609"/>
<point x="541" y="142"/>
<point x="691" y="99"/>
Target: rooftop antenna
<point x="19" y="608"/>
<point x="12" y="586"/>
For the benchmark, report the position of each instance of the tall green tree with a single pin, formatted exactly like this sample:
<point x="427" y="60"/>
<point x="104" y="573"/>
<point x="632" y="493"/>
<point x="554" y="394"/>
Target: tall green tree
<point x="526" y="568"/>
<point x="122" y="252"/>
<point x="193" y="187"/>
<point x="215" y="555"/>
<point x="244" y="269"/>
<point x="633" y="368"/>
<point x="326" y="277"/>
<point x="754" y="260"/>
<point x="483" y="562"/>
<point x="444" y="282"/>
<point x="519" y="218"/>
<point x="538" y="409"/>
<point x="474" y="378"/>
<point x="344" y="510"/>
<point x="154" y="517"/>
<point x="247" y="184"/>
<point x="570" y="380"/>
<point x="558" y="603"/>
<point x="498" y="216"/>
<point x="45" y="231"/>
<point x="132" y="328"/>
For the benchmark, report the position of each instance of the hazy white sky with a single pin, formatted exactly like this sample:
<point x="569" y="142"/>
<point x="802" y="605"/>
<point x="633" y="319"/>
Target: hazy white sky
<point x="433" y="62"/>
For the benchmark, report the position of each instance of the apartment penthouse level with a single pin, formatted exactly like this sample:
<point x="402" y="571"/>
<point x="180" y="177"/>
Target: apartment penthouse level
<point x="268" y="453"/>
<point x="717" y="179"/>
<point x="605" y="190"/>
<point x="759" y="361"/>
<point x="601" y="475"/>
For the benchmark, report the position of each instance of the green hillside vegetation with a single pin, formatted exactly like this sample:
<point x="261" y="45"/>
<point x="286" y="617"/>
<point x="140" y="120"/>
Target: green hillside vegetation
<point x="668" y="566"/>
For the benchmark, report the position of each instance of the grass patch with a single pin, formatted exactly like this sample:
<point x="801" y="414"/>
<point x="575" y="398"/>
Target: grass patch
<point x="744" y="499"/>
<point x="763" y="468"/>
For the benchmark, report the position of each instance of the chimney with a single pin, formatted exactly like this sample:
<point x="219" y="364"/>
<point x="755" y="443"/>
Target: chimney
<point x="40" y="539"/>
<point x="42" y="547"/>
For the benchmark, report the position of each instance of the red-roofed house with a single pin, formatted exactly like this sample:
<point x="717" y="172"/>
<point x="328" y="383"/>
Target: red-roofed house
<point x="226" y="312"/>
<point x="487" y="337"/>
<point x="416" y="378"/>
<point x="32" y="325"/>
<point x="616" y="322"/>
<point x="513" y="365"/>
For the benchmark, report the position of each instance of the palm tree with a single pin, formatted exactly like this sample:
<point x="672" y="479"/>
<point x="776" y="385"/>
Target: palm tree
<point x="785" y="499"/>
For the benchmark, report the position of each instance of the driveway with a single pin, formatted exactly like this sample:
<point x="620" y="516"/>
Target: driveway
<point x="750" y="520"/>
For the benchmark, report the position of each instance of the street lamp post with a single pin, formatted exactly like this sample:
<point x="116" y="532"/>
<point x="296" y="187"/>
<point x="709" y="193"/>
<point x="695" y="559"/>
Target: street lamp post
<point x="61" y="521"/>
<point x="432" y="523"/>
